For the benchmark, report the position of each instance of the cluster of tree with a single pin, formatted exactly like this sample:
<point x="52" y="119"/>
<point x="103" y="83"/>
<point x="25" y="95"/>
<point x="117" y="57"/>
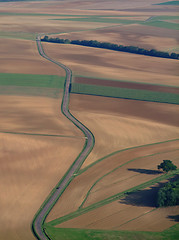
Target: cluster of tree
<point x="169" y="194"/>
<point x="112" y="46"/>
<point x="167" y="166"/>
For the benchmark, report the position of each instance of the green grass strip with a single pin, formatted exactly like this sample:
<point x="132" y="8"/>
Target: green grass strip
<point x="17" y="35"/>
<point x="31" y="80"/>
<point x="168" y="3"/>
<point x="91" y="234"/>
<point x="122" y="150"/>
<point x="126" y="93"/>
<point x="100" y="20"/>
<point x="162" y="24"/>
<point x="108" y="173"/>
<point x="111" y="199"/>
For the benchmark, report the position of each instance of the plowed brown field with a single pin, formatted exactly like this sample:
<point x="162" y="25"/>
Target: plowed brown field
<point x="119" y="216"/>
<point x="123" y="84"/>
<point x="147" y="37"/>
<point x="109" y="64"/>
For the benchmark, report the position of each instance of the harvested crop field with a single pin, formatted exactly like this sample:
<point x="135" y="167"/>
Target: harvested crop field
<point x="24" y="179"/>
<point x="120" y="216"/>
<point x="127" y="123"/>
<point x="118" y="124"/>
<point x="35" y="115"/>
<point x="43" y="24"/>
<point x="21" y="56"/>
<point x="118" y="164"/>
<point x="147" y="37"/>
<point x="101" y="63"/>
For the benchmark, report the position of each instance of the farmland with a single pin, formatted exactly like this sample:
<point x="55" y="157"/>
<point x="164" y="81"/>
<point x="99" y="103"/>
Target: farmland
<point x="129" y="102"/>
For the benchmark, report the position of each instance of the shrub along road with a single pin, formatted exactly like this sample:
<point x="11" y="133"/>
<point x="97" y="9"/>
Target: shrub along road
<point x="37" y="225"/>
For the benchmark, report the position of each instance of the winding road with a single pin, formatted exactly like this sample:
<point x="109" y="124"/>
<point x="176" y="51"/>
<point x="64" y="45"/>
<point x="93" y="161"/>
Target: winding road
<point x="37" y="225"/>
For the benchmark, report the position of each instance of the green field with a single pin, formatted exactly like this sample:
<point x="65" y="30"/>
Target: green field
<point x="84" y="234"/>
<point x="143" y="95"/>
<point x="100" y="20"/>
<point x="162" y="24"/>
<point x="18" y="35"/>
<point x="31" y="80"/>
<point x="169" y="3"/>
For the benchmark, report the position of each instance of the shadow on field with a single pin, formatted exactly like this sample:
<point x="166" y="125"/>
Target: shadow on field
<point x="143" y="198"/>
<point x="145" y="171"/>
<point x="175" y="218"/>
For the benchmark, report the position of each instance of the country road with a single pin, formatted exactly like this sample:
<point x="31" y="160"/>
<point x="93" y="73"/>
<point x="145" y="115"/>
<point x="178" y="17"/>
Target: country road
<point x="40" y="217"/>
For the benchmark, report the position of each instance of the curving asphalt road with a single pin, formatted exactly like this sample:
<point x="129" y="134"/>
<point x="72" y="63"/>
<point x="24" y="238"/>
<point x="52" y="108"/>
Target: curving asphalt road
<point x="40" y="218"/>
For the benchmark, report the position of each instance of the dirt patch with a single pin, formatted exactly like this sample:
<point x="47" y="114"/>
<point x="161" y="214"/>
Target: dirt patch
<point x="130" y="85"/>
<point x="100" y="63"/>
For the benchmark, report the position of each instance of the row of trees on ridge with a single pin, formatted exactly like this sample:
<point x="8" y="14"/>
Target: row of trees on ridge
<point x="112" y="46"/>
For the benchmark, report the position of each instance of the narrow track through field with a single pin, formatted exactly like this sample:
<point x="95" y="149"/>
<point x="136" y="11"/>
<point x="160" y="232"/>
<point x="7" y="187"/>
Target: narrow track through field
<point x="37" y="225"/>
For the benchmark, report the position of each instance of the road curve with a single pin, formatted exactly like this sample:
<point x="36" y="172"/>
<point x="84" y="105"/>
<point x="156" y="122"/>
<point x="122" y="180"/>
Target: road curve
<point x="37" y="225"/>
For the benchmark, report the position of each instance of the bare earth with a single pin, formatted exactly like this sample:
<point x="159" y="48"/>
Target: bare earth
<point x="109" y="64"/>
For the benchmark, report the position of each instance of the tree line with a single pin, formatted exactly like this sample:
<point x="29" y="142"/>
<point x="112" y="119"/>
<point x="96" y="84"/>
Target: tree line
<point x="168" y="195"/>
<point x="112" y="46"/>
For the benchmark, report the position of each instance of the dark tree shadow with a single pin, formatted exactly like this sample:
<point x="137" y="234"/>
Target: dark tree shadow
<point x="143" y="198"/>
<point x="145" y="171"/>
<point x="175" y="218"/>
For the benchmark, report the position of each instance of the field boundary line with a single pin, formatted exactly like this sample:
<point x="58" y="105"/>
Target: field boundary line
<point x="42" y="134"/>
<point x="132" y="160"/>
<point x="122" y="150"/>
<point x="111" y="199"/>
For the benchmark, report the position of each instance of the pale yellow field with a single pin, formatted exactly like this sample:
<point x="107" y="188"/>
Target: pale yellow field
<point x="31" y="166"/>
<point x="118" y="124"/>
<point x="36" y="115"/>
<point x="115" y="65"/>
<point x="21" y="56"/>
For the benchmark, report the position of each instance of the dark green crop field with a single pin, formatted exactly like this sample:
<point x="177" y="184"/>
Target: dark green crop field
<point x="143" y="95"/>
<point x="31" y="80"/>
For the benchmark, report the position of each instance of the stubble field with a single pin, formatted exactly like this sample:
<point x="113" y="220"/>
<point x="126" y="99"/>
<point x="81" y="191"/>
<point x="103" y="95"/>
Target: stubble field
<point x="38" y="144"/>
